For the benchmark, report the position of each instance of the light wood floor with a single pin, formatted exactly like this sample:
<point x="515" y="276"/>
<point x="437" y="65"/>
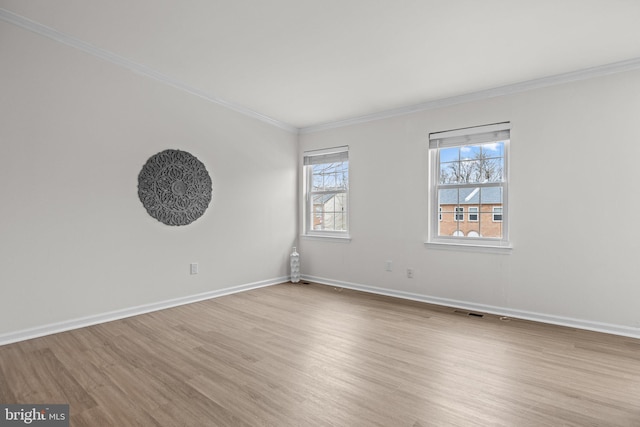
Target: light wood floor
<point x="312" y="355"/>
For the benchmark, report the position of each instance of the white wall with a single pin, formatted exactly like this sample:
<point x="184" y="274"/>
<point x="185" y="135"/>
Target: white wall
<point x="573" y="204"/>
<point x="75" y="240"/>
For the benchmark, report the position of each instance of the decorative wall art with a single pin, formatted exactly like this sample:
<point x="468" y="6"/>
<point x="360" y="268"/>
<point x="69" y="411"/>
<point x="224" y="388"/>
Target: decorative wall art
<point x="174" y="187"/>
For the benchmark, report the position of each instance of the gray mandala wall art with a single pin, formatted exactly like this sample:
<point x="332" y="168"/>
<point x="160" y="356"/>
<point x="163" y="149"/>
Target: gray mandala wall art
<point x="174" y="187"/>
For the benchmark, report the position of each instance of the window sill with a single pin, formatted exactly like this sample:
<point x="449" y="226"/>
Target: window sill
<point x="471" y="247"/>
<point x="327" y="237"/>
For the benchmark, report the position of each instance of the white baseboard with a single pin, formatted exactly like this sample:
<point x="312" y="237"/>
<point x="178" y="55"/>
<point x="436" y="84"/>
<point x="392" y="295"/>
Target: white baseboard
<point x="607" y="328"/>
<point x="82" y="322"/>
<point x="68" y="325"/>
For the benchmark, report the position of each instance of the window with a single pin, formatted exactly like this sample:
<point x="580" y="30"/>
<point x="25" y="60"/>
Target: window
<point x="326" y="198"/>
<point x="459" y="214"/>
<point x="473" y="214"/>
<point x="497" y="214"/>
<point x="468" y="172"/>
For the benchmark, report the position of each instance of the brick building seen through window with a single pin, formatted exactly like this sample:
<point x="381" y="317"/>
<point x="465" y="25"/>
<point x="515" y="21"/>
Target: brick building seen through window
<point x="470" y="212"/>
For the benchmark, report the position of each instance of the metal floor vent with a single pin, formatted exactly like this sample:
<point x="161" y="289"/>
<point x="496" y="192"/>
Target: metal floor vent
<point x="468" y="313"/>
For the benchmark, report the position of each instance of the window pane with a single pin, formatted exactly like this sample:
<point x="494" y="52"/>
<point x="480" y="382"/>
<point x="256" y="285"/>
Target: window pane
<point x="327" y="221"/>
<point x="476" y="163"/>
<point x="329" y="181"/>
<point x="317" y="221"/>
<point x="342" y="175"/>
<point x="493" y="149"/>
<point x="340" y="221"/>
<point x="491" y="200"/>
<point x="340" y="202"/>
<point x="334" y="213"/>
<point x="339" y="208"/>
<point x="449" y="173"/>
<point x="491" y="196"/>
<point x="472" y="229"/>
<point x="491" y="170"/>
<point x="449" y="155"/>
<point x="488" y="227"/>
<point x="317" y="182"/>
<point x="447" y="198"/>
<point x="447" y="204"/>
<point x="469" y="152"/>
<point x="330" y="176"/>
<point x="491" y="162"/>
<point x="319" y="202"/>
<point x="468" y="172"/>
<point x="329" y="212"/>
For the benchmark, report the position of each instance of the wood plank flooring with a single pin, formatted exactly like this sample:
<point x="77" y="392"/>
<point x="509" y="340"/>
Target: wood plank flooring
<point x="313" y="355"/>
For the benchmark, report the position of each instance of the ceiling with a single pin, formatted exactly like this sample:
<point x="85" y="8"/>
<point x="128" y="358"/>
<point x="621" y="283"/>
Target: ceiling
<point x="303" y="63"/>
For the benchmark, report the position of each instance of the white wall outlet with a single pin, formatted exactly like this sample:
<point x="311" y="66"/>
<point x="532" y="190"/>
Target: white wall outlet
<point x="410" y="273"/>
<point x="388" y="265"/>
<point x="194" y="268"/>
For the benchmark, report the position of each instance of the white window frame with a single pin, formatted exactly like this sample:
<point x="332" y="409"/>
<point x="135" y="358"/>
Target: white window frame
<point x="493" y="213"/>
<point x="476" y="213"/>
<point x="310" y="158"/>
<point x="464" y="137"/>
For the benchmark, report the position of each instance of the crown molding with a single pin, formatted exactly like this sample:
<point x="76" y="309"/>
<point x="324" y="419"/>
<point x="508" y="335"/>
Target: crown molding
<point x="121" y="61"/>
<point x="587" y="73"/>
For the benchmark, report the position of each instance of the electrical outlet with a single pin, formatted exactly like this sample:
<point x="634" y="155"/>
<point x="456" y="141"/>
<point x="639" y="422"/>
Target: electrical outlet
<point x="410" y="273"/>
<point x="388" y="265"/>
<point x="194" y="268"/>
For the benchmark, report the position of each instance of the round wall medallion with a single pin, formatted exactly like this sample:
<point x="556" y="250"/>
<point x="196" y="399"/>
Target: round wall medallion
<point x="174" y="187"/>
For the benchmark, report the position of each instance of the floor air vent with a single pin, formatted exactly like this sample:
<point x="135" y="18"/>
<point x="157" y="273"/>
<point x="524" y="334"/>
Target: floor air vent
<point x="468" y="313"/>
